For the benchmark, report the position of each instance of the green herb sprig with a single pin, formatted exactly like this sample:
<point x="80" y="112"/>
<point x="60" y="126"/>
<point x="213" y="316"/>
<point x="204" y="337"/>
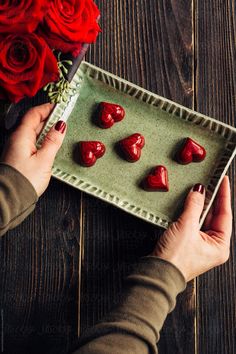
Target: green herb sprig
<point x="63" y="89"/>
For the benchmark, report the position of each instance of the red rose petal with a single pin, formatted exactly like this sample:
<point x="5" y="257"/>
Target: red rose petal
<point x="22" y="16"/>
<point x="69" y="24"/>
<point x="24" y="74"/>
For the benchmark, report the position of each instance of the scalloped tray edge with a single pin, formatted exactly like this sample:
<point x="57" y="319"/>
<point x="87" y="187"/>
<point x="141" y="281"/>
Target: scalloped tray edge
<point x="222" y="129"/>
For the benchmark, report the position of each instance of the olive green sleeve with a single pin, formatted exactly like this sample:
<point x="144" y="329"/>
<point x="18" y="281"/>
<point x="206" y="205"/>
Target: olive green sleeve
<point x="17" y="198"/>
<point x="134" y="326"/>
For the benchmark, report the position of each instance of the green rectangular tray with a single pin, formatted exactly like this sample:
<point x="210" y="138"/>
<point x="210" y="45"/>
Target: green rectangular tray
<point x="163" y="123"/>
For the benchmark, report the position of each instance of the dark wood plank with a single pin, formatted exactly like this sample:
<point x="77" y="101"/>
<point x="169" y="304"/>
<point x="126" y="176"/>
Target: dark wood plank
<point x="150" y="44"/>
<point x="215" y="95"/>
<point x="39" y="266"/>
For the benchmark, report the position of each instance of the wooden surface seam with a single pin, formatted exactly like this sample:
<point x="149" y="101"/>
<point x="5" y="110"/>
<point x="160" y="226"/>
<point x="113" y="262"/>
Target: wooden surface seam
<point x="66" y="263"/>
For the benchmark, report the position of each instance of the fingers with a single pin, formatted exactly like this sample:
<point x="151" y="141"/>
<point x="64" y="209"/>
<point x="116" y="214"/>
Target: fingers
<point x="194" y="203"/>
<point x="52" y="143"/>
<point x="221" y="221"/>
<point x="33" y="120"/>
<point x="208" y="220"/>
<point x="40" y="128"/>
<point x="38" y="114"/>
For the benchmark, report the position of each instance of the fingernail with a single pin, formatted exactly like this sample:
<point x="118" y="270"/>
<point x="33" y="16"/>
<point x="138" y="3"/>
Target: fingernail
<point x="199" y="188"/>
<point x="60" y="126"/>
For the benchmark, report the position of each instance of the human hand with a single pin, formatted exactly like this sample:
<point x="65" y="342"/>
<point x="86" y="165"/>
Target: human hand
<point x="193" y="251"/>
<point x="21" y="152"/>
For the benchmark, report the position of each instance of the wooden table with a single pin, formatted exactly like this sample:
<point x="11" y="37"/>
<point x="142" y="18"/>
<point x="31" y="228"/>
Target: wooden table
<point x="63" y="268"/>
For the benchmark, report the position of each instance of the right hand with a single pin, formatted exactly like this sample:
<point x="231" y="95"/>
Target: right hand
<point x="21" y="152"/>
<point x="193" y="251"/>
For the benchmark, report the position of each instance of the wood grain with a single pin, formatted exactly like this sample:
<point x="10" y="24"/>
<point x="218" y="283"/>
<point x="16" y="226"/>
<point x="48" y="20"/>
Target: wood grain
<point x="215" y="95"/>
<point x="39" y="265"/>
<point x="150" y="44"/>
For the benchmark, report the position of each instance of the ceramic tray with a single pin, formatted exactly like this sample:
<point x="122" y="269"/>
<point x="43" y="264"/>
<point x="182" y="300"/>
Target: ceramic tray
<point x="163" y="123"/>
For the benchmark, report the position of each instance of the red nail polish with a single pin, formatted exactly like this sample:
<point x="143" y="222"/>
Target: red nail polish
<point x="199" y="188"/>
<point x="60" y="126"/>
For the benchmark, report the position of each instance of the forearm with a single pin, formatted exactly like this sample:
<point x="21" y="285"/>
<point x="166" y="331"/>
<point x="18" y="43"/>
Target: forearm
<point x="17" y="198"/>
<point x="134" y="326"/>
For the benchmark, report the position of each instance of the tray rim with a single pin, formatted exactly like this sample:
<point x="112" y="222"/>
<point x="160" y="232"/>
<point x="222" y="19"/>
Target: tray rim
<point x="163" y="103"/>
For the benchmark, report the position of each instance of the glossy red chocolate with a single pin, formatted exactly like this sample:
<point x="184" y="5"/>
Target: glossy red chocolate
<point x="109" y="113"/>
<point x="90" y="151"/>
<point x="191" y="152"/>
<point x="132" y="147"/>
<point x="158" y="180"/>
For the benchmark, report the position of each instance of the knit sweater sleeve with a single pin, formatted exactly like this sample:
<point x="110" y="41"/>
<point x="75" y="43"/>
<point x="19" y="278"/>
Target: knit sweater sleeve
<point x="17" y="198"/>
<point x="134" y="326"/>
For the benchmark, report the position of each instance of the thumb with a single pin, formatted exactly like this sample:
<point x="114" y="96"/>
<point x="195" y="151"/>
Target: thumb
<point x="52" y="142"/>
<point x="194" y="203"/>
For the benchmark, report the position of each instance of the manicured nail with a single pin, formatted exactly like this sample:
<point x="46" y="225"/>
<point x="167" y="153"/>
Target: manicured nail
<point x="199" y="188"/>
<point x="60" y="126"/>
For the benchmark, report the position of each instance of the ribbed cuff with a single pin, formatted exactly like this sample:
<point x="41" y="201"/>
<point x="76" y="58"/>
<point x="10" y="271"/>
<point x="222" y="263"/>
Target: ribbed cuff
<point x="150" y="265"/>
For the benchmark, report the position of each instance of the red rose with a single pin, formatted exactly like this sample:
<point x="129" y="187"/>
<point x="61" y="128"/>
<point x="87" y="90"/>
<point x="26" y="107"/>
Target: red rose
<point x="21" y="16"/>
<point x="26" y="65"/>
<point x="70" y="23"/>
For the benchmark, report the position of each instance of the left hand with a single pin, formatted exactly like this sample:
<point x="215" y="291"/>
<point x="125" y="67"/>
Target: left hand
<point x="21" y="152"/>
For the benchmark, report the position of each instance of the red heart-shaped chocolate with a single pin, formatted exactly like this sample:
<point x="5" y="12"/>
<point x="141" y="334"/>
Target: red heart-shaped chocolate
<point x="132" y="146"/>
<point x="191" y="152"/>
<point x="158" y="180"/>
<point x="90" y="151"/>
<point x="109" y="113"/>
